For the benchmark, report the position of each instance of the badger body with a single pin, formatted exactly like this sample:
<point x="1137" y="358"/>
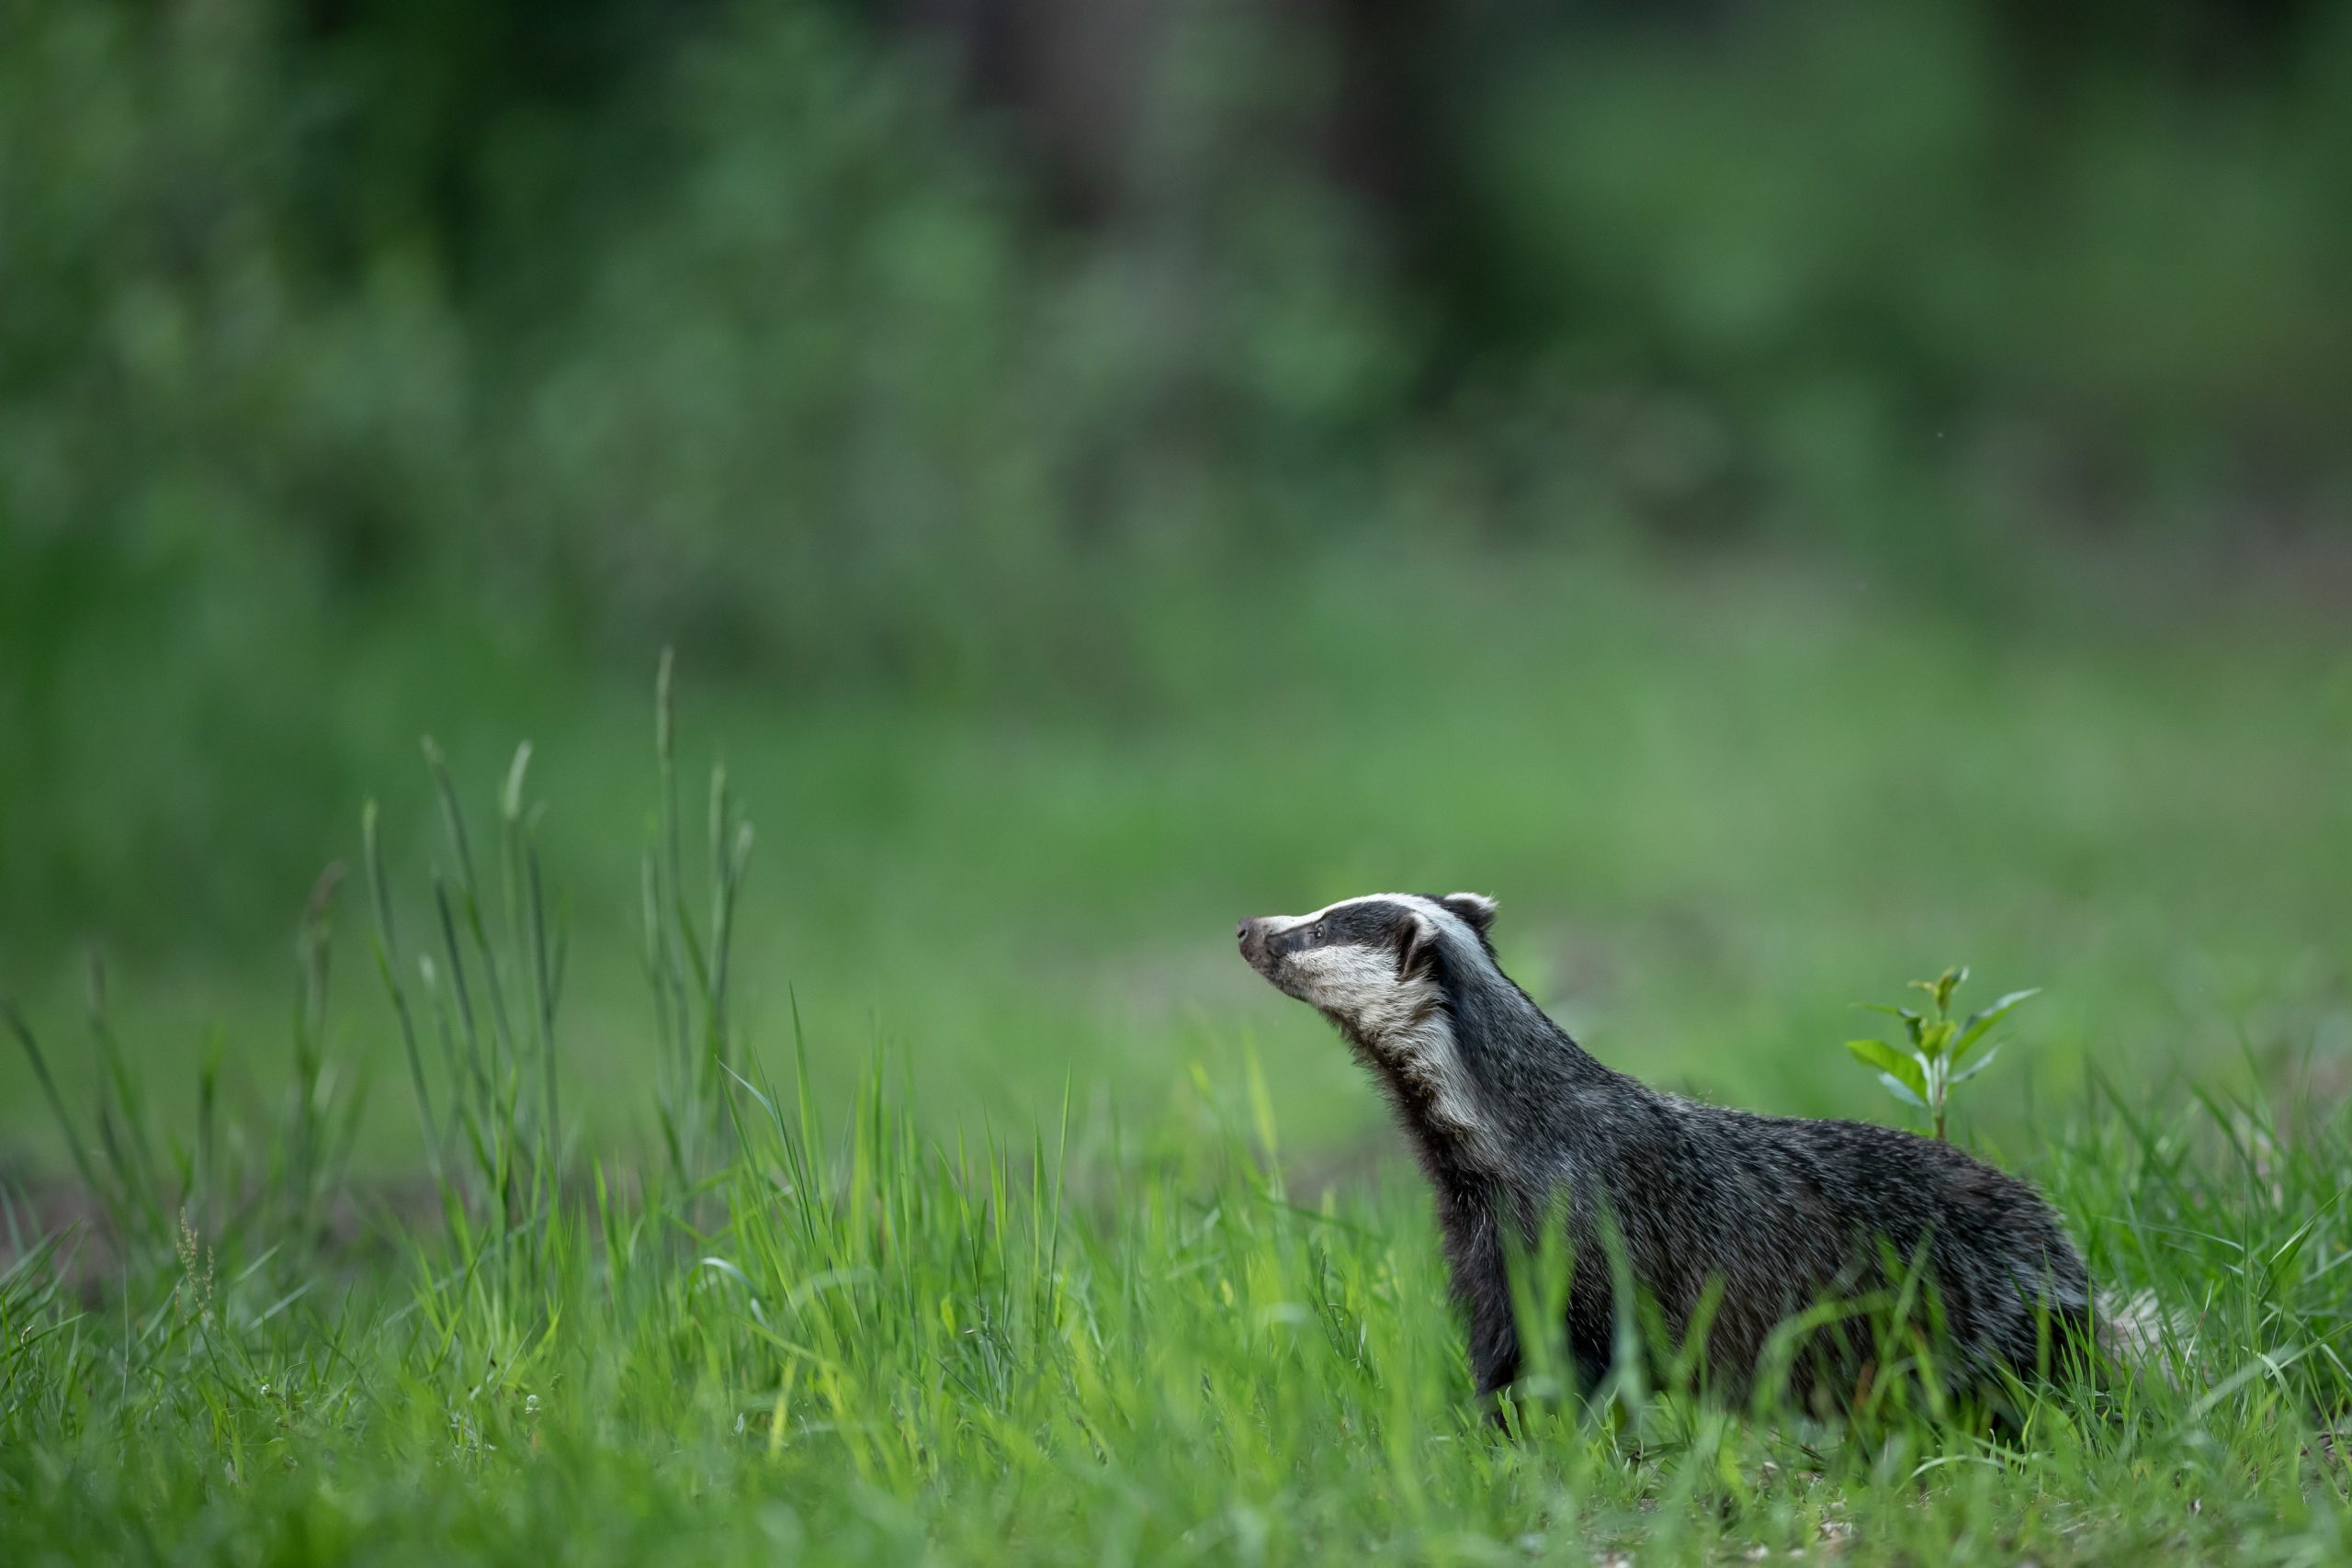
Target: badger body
<point x="1721" y="1219"/>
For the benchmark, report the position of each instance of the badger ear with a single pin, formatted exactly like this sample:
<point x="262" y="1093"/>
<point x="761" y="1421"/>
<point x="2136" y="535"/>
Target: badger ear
<point x="1475" y="908"/>
<point x="1416" y="947"/>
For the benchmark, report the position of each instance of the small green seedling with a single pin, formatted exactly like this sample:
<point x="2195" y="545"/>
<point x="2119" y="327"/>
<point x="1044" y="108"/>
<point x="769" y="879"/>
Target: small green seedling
<point x="1939" y="1056"/>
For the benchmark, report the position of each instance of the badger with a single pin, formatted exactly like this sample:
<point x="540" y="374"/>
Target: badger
<point x="1678" y="1215"/>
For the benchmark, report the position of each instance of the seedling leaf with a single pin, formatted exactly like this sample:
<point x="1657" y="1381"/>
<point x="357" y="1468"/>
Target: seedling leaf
<point x="1893" y="1064"/>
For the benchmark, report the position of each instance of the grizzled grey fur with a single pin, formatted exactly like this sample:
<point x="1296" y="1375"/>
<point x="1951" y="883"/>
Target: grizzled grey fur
<point x="1513" y="1121"/>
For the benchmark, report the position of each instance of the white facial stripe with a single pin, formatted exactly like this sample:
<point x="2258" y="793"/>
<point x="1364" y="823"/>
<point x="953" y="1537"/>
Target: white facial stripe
<point x="1357" y="980"/>
<point x="1280" y="924"/>
<point x="1398" y="1019"/>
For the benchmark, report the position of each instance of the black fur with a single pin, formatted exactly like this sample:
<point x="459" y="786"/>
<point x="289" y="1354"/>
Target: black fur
<point x="1785" y="1213"/>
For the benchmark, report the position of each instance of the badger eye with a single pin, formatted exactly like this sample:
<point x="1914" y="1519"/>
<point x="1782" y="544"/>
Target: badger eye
<point x="1317" y="933"/>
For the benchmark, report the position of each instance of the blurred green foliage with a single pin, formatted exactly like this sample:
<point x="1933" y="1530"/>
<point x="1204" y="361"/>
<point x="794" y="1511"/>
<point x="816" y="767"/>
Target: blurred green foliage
<point x="353" y="354"/>
<point x="1719" y="809"/>
<point x="1880" y="266"/>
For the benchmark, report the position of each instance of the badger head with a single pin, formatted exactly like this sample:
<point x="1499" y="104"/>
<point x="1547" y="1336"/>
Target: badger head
<point x="1379" y="967"/>
<point x="1369" y="964"/>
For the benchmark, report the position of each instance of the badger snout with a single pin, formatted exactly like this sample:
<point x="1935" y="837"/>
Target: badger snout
<point x="1251" y="935"/>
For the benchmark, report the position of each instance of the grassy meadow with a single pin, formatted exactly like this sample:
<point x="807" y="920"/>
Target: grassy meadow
<point x="1021" y="1224"/>
<point x="1719" y="808"/>
<point x="1787" y="495"/>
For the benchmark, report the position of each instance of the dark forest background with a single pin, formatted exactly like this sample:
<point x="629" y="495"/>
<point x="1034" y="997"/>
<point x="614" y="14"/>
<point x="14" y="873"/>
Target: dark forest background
<point x="372" y="366"/>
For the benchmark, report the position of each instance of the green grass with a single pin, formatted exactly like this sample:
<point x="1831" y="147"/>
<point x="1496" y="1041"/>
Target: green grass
<point x="1717" y="808"/>
<point x="1040" y="1237"/>
<point x="1085" y="1345"/>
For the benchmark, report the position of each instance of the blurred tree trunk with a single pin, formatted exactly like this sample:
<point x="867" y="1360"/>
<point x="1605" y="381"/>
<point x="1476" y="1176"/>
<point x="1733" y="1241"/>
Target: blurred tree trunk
<point x="1073" y="75"/>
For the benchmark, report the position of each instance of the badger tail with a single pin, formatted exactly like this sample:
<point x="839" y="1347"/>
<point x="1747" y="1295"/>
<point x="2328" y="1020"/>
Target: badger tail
<point x="2140" y="1336"/>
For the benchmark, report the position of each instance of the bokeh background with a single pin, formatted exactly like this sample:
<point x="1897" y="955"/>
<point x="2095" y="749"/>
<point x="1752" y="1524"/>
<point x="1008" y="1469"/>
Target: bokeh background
<point x="1787" y="495"/>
